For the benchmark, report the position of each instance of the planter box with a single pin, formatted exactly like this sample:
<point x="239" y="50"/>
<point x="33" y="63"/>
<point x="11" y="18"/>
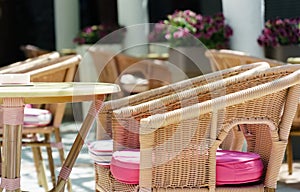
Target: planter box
<point x="159" y="47"/>
<point x="190" y="61"/>
<point x="282" y="53"/>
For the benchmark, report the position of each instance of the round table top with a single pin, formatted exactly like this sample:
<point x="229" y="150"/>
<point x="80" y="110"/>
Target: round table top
<point x="56" y="92"/>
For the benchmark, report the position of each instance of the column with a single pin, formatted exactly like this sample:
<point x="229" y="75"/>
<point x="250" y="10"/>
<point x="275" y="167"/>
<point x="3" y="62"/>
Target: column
<point x="247" y="20"/>
<point x="133" y="14"/>
<point x="66" y="13"/>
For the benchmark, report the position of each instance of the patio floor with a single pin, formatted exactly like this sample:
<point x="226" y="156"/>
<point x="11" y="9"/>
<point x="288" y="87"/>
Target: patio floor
<point x="83" y="172"/>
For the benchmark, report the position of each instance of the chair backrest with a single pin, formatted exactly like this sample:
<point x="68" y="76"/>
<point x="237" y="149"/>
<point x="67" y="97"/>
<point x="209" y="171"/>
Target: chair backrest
<point x="176" y="100"/>
<point x="62" y="69"/>
<point x="224" y="58"/>
<point x="30" y="64"/>
<point x="31" y="51"/>
<point x="178" y="148"/>
<point x="105" y="65"/>
<point x="124" y="61"/>
<point x="111" y="66"/>
<point x="105" y="115"/>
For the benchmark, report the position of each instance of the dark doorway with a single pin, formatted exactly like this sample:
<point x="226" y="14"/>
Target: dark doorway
<point x="25" y="22"/>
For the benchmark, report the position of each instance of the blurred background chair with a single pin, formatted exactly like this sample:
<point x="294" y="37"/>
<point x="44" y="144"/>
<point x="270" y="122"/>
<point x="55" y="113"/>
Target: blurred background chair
<point x="225" y="58"/>
<point x="31" y="51"/>
<point x="178" y="148"/>
<point x="30" y="63"/>
<point x="133" y="74"/>
<point x="61" y="69"/>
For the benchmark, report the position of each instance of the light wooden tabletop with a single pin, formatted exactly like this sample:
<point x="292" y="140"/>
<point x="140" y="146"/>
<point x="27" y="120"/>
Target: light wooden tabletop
<point x="56" y="92"/>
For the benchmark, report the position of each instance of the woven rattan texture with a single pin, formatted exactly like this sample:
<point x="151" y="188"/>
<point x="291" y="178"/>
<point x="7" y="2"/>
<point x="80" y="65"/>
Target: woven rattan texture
<point x="183" y="150"/>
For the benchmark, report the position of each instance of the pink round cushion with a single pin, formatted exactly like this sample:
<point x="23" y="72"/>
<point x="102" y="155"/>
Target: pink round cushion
<point x="235" y="167"/>
<point x="232" y="167"/>
<point x="101" y="151"/>
<point x="34" y="117"/>
<point x="125" y="166"/>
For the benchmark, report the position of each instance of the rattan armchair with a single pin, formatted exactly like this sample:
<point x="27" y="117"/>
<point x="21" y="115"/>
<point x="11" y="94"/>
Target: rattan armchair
<point x="104" y="123"/>
<point x="178" y="148"/>
<point x="295" y="127"/>
<point x="225" y="58"/>
<point x="31" y="51"/>
<point x="103" y="183"/>
<point x="31" y="63"/>
<point x="62" y="69"/>
<point x="148" y="73"/>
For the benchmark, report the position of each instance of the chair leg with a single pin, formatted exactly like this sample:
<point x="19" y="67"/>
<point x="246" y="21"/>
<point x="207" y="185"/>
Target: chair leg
<point x="269" y="190"/>
<point x="38" y="160"/>
<point x="50" y="160"/>
<point x="289" y="156"/>
<point x="62" y="155"/>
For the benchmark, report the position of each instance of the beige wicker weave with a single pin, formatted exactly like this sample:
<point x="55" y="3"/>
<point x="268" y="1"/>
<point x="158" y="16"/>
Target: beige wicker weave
<point x="178" y="148"/>
<point x="30" y="64"/>
<point x="224" y="58"/>
<point x="295" y="130"/>
<point x="105" y="115"/>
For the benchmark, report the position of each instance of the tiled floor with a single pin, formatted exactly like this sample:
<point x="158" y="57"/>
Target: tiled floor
<point x="83" y="172"/>
<point x="82" y="175"/>
<point x="289" y="183"/>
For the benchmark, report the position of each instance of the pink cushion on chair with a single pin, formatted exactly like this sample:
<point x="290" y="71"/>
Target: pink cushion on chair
<point x="34" y="117"/>
<point x="125" y="166"/>
<point x="233" y="167"/>
<point x="101" y="151"/>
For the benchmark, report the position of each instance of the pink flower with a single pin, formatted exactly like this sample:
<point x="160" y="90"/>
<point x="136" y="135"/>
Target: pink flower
<point x="280" y="32"/>
<point x="168" y="36"/>
<point x="182" y="32"/>
<point x="183" y="26"/>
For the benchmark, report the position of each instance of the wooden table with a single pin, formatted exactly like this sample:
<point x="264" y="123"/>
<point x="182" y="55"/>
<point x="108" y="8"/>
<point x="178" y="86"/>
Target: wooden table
<point x="13" y="98"/>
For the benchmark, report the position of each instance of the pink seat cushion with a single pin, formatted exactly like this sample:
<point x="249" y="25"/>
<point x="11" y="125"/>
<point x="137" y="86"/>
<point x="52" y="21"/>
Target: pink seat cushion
<point x="34" y="117"/>
<point x="235" y="167"/>
<point x="125" y="166"/>
<point x="101" y="151"/>
<point x="232" y="167"/>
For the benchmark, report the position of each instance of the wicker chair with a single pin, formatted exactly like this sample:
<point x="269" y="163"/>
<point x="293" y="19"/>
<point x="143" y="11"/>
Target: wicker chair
<point x="112" y="67"/>
<point x="30" y="63"/>
<point x="170" y="142"/>
<point x="224" y="58"/>
<point x="295" y="127"/>
<point x="31" y="51"/>
<point x="105" y="115"/>
<point x="61" y="69"/>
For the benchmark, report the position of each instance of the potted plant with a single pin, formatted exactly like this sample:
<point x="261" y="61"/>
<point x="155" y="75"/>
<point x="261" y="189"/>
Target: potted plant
<point x="190" y="34"/>
<point x="183" y="27"/>
<point x="157" y="41"/>
<point x="101" y="37"/>
<point x="108" y="36"/>
<point x="280" y="38"/>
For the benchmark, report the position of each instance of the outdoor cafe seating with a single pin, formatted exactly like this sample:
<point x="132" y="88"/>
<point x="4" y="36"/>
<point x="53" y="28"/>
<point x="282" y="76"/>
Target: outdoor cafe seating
<point x="181" y="136"/>
<point x="175" y="141"/>
<point x="43" y="121"/>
